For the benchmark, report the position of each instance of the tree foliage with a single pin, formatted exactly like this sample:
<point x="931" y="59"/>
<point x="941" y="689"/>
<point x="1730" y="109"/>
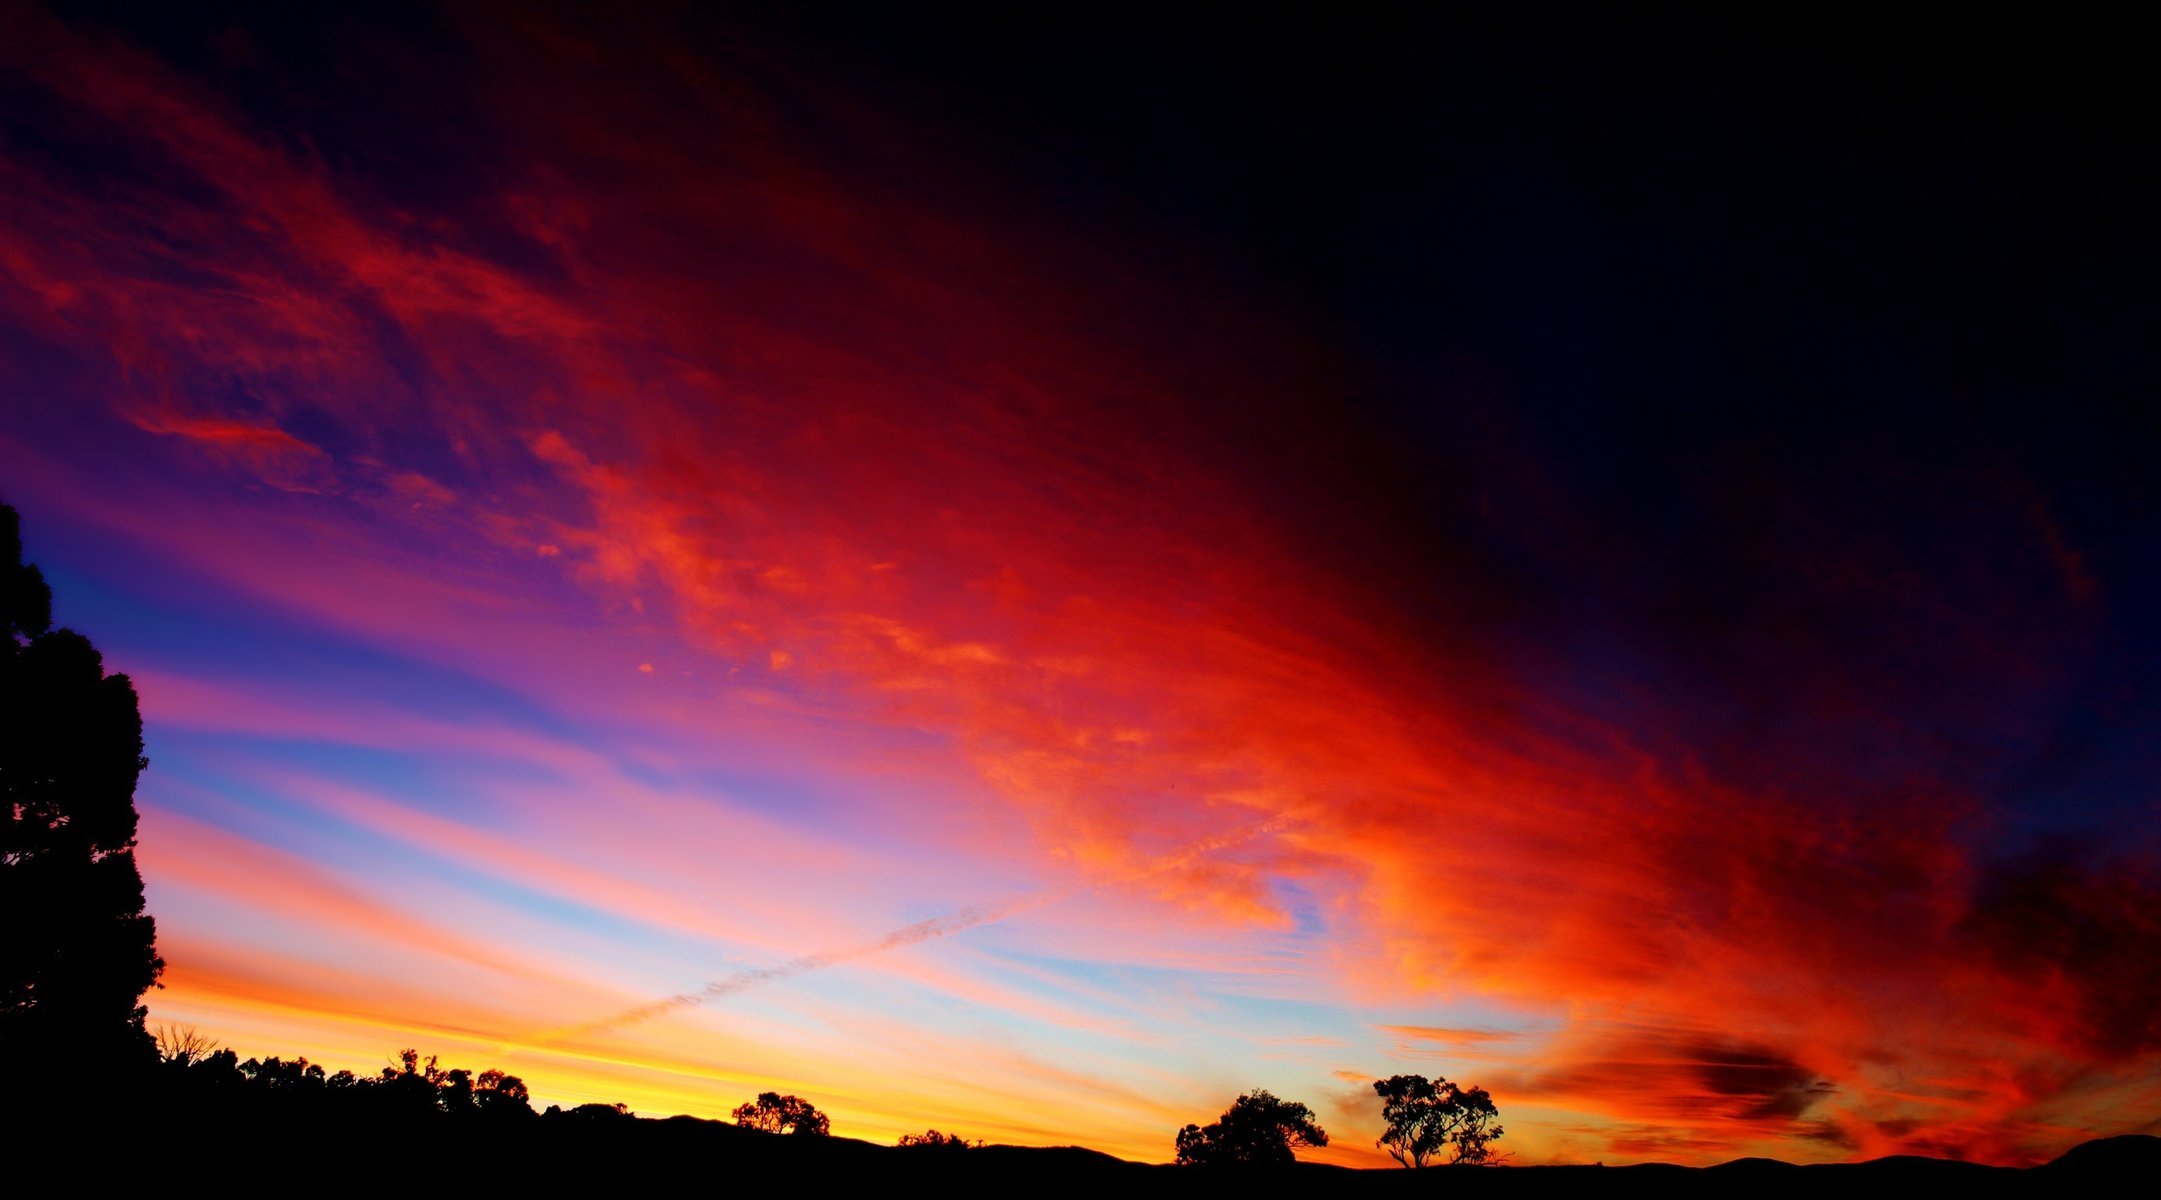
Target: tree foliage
<point x="1257" y="1130"/>
<point x="77" y="950"/>
<point x="775" y="1113"/>
<point x="1426" y="1117"/>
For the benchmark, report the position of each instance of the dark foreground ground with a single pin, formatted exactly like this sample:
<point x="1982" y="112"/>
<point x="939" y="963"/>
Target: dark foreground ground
<point x="262" y="1149"/>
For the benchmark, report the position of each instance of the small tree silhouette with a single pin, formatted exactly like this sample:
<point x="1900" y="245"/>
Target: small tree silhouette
<point x="1257" y="1130"/>
<point x="1426" y="1116"/>
<point x="775" y="1113"/>
<point x="78" y="951"/>
<point x="181" y="1046"/>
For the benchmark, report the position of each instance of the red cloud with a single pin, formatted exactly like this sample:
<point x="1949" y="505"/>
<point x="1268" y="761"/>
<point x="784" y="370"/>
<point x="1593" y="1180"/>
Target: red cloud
<point x="264" y="451"/>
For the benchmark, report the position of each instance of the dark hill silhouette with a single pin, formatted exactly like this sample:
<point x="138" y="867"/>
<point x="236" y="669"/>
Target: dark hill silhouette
<point x="1057" y="1157"/>
<point x="418" y="1119"/>
<point x="2133" y="1154"/>
<point x="1911" y="1162"/>
<point x="286" y="1131"/>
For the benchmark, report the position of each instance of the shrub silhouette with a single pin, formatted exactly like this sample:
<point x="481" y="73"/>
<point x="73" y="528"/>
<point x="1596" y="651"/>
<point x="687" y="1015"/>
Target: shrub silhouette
<point x="775" y="1113"/>
<point x="593" y="1112"/>
<point x="1427" y="1116"/>
<point x="76" y="949"/>
<point x="1257" y="1130"/>
<point x="933" y="1140"/>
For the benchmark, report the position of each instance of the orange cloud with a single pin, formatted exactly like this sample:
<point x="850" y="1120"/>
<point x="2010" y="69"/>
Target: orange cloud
<point x="182" y="852"/>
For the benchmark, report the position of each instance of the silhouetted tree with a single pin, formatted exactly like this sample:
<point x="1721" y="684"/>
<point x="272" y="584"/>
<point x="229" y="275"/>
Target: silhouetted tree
<point x="455" y="1093"/>
<point x="775" y="1113"/>
<point x="411" y="1082"/>
<point x="1257" y="1130"/>
<point x="1476" y="1133"/>
<point x="934" y="1140"/>
<point x="1426" y="1116"/>
<point x="284" y="1076"/>
<point x="217" y="1071"/>
<point x="180" y="1046"/>
<point x="498" y="1095"/>
<point x="76" y="949"/>
<point x="417" y="1084"/>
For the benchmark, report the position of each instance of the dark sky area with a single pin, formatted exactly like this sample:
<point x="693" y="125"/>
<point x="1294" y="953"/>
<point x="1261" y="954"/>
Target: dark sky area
<point x="1781" y="374"/>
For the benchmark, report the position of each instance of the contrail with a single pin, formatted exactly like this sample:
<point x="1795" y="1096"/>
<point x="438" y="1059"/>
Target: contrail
<point x="908" y="935"/>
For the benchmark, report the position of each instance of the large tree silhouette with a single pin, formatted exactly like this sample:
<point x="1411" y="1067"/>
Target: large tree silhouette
<point x="775" y="1113"/>
<point x="1427" y="1116"/>
<point x="76" y="949"/>
<point x="1257" y="1130"/>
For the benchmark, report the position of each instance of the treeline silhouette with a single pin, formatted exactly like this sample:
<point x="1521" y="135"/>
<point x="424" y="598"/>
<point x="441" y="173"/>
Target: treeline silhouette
<point x="1258" y="1129"/>
<point x="199" y="1109"/>
<point x="412" y="1086"/>
<point x="193" y="1069"/>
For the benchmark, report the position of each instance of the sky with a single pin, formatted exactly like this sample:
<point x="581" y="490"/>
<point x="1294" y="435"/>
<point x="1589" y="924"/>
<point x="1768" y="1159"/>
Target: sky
<point x="1029" y="574"/>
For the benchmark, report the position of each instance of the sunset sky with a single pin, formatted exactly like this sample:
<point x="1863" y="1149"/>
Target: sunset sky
<point x="1618" y="562"/>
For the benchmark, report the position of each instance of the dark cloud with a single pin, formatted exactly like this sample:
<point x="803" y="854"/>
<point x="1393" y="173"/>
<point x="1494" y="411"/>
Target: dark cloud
<point x="2070" y="920"/>
<point x="1776" y="1087"/>
<point x="1829" y="1133"/>
<point x="1687" y="1075"/>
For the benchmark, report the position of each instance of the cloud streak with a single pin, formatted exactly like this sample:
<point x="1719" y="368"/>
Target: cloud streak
<point x="922" y="931"/>
<point x="958" y="921"/>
